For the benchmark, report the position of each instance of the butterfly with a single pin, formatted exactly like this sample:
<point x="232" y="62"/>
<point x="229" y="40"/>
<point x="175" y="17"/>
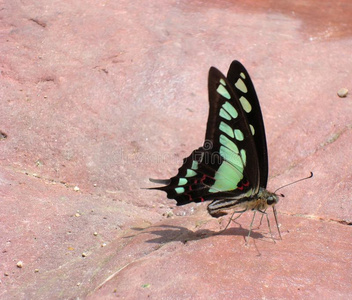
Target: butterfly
<point x="231" y="168"/>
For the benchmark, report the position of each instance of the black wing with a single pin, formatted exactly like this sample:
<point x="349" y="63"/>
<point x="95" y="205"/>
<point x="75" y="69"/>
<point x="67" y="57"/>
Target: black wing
<point x="254" y="116"/>
<point x="227" y="166"/>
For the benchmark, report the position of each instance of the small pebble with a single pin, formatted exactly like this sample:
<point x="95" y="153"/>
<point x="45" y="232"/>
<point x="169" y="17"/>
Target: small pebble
<point x="76" y="188"/>
<point x="95" y="233"/>
<point x="39" y="163"/>
<point x="20" y="264"/>
<point x="342" y="93"/>
<point x="36" y="270"/>
<point x="169" y="214"/>
<point x="3" y="135"/>
<point x="84" y="254"/>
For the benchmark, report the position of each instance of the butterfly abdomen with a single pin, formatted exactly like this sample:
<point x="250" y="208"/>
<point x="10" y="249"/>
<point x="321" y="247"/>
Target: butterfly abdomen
<point x="259" y="202"/>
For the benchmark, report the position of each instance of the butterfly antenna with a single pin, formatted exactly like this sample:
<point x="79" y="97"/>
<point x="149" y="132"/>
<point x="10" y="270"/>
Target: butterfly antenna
<point x="310" y="176"/>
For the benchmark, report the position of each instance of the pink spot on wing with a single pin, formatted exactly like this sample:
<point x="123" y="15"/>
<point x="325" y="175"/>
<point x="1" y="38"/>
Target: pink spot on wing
<point x="243" y="185"/>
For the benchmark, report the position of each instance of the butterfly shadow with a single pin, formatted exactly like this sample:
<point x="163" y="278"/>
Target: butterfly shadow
<point x="169" y="233"/>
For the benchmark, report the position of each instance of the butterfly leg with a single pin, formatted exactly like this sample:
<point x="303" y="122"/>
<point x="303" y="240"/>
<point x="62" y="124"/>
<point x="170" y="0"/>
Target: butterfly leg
<point x="250" y="228"/>
<point x="277" y="224"/>
<point x="271" y="234"/>
<point x="235" y="212"/>
<point x="267" y="218"/>
<point x="261" y="219"/>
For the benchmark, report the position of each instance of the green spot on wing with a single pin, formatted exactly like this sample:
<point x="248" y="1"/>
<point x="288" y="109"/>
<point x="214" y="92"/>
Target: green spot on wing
<point x="233" y="158"/>
<point x="179" y="190"/>
<point x="223" y="92"/>
<point x="243" y="156"/>
<point x="228" y="143"/>
<point x="252" y="129"/>
<point x="224" y="114"/>
<point x="230" y="109"/>
<point x="222" y="81"/>
<point x="194" y="165"/>
<point x="245" y="104"/>
<point x="239" y="135"/>
<point x="190" y="173"/>
<point x="226" y="129"/>
<point x="241" y="86"/>
<point x="243" y="75"/>
<point x="226" y="178"/>
<point x="182" y="181"/>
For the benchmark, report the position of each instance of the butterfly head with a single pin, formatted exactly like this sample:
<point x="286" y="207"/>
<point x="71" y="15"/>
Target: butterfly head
<point x="268" y="198"/>
<point x="272" y="199"/>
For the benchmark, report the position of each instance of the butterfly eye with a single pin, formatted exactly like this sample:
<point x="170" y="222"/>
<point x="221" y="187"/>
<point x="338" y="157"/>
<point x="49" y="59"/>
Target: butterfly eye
<point x="271" y="200"/>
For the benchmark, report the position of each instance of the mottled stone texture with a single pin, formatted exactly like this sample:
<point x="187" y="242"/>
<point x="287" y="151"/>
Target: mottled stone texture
<point x="97" y="96"/>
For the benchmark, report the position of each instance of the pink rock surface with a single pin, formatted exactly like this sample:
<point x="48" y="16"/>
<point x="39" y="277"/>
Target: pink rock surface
<point x="99" y="96"/>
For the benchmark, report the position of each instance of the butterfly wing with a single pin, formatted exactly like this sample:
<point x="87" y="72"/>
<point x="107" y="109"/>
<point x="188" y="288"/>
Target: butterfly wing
<point x="227" y="166"/>
<point x="240" y="78"/>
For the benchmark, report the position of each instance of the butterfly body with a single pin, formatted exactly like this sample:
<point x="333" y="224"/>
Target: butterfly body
<point x="231" y="168"/>
<point x="260" y="202"/>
